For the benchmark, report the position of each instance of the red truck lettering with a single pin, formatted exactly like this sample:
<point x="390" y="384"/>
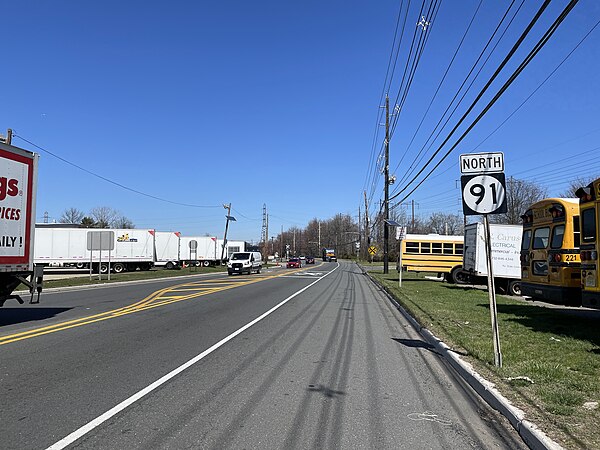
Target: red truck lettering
<point x="8" y="187"/>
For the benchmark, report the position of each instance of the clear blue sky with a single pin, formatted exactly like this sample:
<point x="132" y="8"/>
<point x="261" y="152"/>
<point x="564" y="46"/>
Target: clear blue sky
<point x="275" y="103"/>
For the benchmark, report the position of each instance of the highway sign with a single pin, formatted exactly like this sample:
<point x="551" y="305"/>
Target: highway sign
<point x="480" y="163"/>
<point x="483" y="194"/>
<point x="372" y="250"/>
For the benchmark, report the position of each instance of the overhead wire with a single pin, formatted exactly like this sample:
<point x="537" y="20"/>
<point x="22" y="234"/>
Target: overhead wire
<point x="440" y="83"/>
<point x="418" y="160"/>
<point x="108" y="180"/>
<point x="539" y="45"/>
<point x="388" y="76"/>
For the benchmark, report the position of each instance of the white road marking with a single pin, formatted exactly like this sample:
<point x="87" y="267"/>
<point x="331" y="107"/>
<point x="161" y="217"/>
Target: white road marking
<point x="77" y="434"/>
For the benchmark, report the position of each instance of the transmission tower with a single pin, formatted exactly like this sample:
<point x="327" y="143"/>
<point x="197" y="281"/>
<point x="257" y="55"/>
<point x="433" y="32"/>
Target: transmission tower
<point x="264" y="236"/>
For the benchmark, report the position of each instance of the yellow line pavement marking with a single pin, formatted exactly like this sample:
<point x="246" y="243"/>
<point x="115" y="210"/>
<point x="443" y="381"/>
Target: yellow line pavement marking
<point x="153" y="300"/>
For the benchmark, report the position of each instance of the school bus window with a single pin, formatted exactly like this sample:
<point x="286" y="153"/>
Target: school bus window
<point x="436" y="247"/>
<point x="425" y="247"/>
<point x="459" y="249"/>
<point x="576" y="232"/>
<point x="526" y="240"/>
<point x="540" y="238"/>
<point x="448" y="249"/>
<point x="558" y="233"/>
<point x="412" y="247"/>
<point x="588" y="225"/>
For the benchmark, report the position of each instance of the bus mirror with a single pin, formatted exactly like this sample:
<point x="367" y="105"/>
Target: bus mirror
<point x="584" y="193"/>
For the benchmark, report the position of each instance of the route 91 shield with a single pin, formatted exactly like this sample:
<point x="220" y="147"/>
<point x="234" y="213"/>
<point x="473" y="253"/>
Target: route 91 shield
<point x="483" y="194"/>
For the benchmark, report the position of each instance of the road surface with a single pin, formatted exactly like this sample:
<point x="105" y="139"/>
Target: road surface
<point x="310" y="358"/>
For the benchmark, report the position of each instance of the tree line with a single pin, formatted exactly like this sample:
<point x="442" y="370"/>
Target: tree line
<point x="98" y="217"/>
<point x="348" y="237"/>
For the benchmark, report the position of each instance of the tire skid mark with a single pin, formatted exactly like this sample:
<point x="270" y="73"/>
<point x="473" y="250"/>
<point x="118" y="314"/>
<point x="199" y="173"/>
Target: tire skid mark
<point x="342" y="374"/>
<point x="210" y="398"/>
<point x="417" y="381"/>
<point x="229" y="433"/>
<point x="299" y="422"/>
<point x="377" y="436"/>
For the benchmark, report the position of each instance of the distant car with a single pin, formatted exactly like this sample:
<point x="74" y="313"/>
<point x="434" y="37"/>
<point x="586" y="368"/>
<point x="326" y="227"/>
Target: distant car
<point x="302" y="258"/>
<point x="294" y="263"/>
<point x="310" y="260"/>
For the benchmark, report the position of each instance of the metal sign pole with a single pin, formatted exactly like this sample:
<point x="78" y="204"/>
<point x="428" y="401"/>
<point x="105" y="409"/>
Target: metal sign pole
<point x="91" y="256"/>
<point x="109" y="263"/>
<point x="492" y="293"/>
<point x="400" y="264"/>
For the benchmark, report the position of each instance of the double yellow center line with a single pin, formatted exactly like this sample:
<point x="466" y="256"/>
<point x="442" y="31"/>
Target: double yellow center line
<point x="162" y="297"/>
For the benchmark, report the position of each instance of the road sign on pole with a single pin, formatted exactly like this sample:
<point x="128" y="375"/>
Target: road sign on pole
<point x="484" y="192"/>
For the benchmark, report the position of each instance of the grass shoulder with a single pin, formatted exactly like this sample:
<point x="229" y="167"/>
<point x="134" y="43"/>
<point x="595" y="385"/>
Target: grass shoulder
<point x="129" y="276"/>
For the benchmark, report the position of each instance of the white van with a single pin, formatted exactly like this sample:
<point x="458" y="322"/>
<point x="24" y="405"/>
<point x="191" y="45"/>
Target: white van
<point x="240" y="262"/>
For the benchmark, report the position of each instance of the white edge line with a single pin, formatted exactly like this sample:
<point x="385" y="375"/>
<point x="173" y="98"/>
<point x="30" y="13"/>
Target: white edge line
<point x="64" y="442"/>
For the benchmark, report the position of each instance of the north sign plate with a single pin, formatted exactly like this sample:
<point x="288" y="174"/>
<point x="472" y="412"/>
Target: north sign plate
<point x="480" y="163"/>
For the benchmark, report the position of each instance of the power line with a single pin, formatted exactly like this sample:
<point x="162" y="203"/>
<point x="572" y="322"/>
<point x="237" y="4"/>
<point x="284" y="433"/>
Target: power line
<point x="108" y="180"/>
<point x="540" y="44"/>
<point x="418" y="160"/>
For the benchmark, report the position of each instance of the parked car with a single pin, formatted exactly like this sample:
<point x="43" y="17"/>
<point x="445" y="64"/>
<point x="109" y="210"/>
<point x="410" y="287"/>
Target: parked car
<point x="310" y="260"/>
<point x="294" y="263"/>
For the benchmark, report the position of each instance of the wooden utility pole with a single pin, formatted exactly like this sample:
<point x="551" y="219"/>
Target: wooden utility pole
<point x="228" y="208"/>
<point x="386" y="206"/>
<point x="367" y="240"/>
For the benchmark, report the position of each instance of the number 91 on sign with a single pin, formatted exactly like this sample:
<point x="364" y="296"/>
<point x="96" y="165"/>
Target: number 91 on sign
<point x="483" y="194"/>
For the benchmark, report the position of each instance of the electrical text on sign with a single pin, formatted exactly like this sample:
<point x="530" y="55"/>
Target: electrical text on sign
<point x="473" y="163"/>
<point x="483" y="194"/>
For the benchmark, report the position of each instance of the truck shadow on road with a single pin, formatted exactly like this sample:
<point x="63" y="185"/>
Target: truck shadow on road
<point x="11" y="316"/>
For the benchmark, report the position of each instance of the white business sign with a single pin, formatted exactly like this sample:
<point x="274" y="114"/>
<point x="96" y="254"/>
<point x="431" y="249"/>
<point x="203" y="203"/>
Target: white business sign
<point x="480" y="163"/>
<point x="14" y="208"/>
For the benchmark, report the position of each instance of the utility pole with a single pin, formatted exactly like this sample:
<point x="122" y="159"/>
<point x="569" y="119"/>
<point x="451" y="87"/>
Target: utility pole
<point x="359" y="236"/>
<point x="265" y="232"/>
<point x="367" y="240"/>
<point x="9" y="134"/>
<point x="386" y="206"/>
<point x="319" y="222"/>
<point x="228" y="208"/>
<point x="413" y="215"/>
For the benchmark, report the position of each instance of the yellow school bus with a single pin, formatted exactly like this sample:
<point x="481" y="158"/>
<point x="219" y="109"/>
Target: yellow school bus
<point x="550" y="263"/>
<point x="589" y="212"/>
<point x="433" y="253"/>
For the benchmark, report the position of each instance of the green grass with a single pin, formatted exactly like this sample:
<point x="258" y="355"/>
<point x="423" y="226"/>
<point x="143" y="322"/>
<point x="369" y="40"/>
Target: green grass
<point x="127" y="276"/>
<point x="560" y="352"/>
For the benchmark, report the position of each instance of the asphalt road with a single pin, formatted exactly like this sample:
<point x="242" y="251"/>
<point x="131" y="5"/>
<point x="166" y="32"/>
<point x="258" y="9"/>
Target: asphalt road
<point x="285" y="359"/>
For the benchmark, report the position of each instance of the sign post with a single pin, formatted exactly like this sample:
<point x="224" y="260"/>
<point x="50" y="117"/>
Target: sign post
<point x="483" y="193"/>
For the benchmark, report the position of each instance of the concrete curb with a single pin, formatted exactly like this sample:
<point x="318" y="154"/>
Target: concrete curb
<point x="534" y="437"/>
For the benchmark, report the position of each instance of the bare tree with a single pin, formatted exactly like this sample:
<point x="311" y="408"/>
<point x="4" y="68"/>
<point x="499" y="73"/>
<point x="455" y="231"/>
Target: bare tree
<point x="122" y="222"/>
<point x="104" y="216"/>
<point x="520" y="195"/>
<point x="71" y="215"/>
<point x="450" y="224"/>
<point x="576" y="184"/>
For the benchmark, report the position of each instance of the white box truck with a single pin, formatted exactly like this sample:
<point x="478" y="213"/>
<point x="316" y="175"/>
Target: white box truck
<point x="506" y="253"/>
<point x="130" y="249"/>
<point x="166" y="249"/>
<point x="197" y="250"/>
<point x="18" y="185"/>
<point x="206" y="250"/>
